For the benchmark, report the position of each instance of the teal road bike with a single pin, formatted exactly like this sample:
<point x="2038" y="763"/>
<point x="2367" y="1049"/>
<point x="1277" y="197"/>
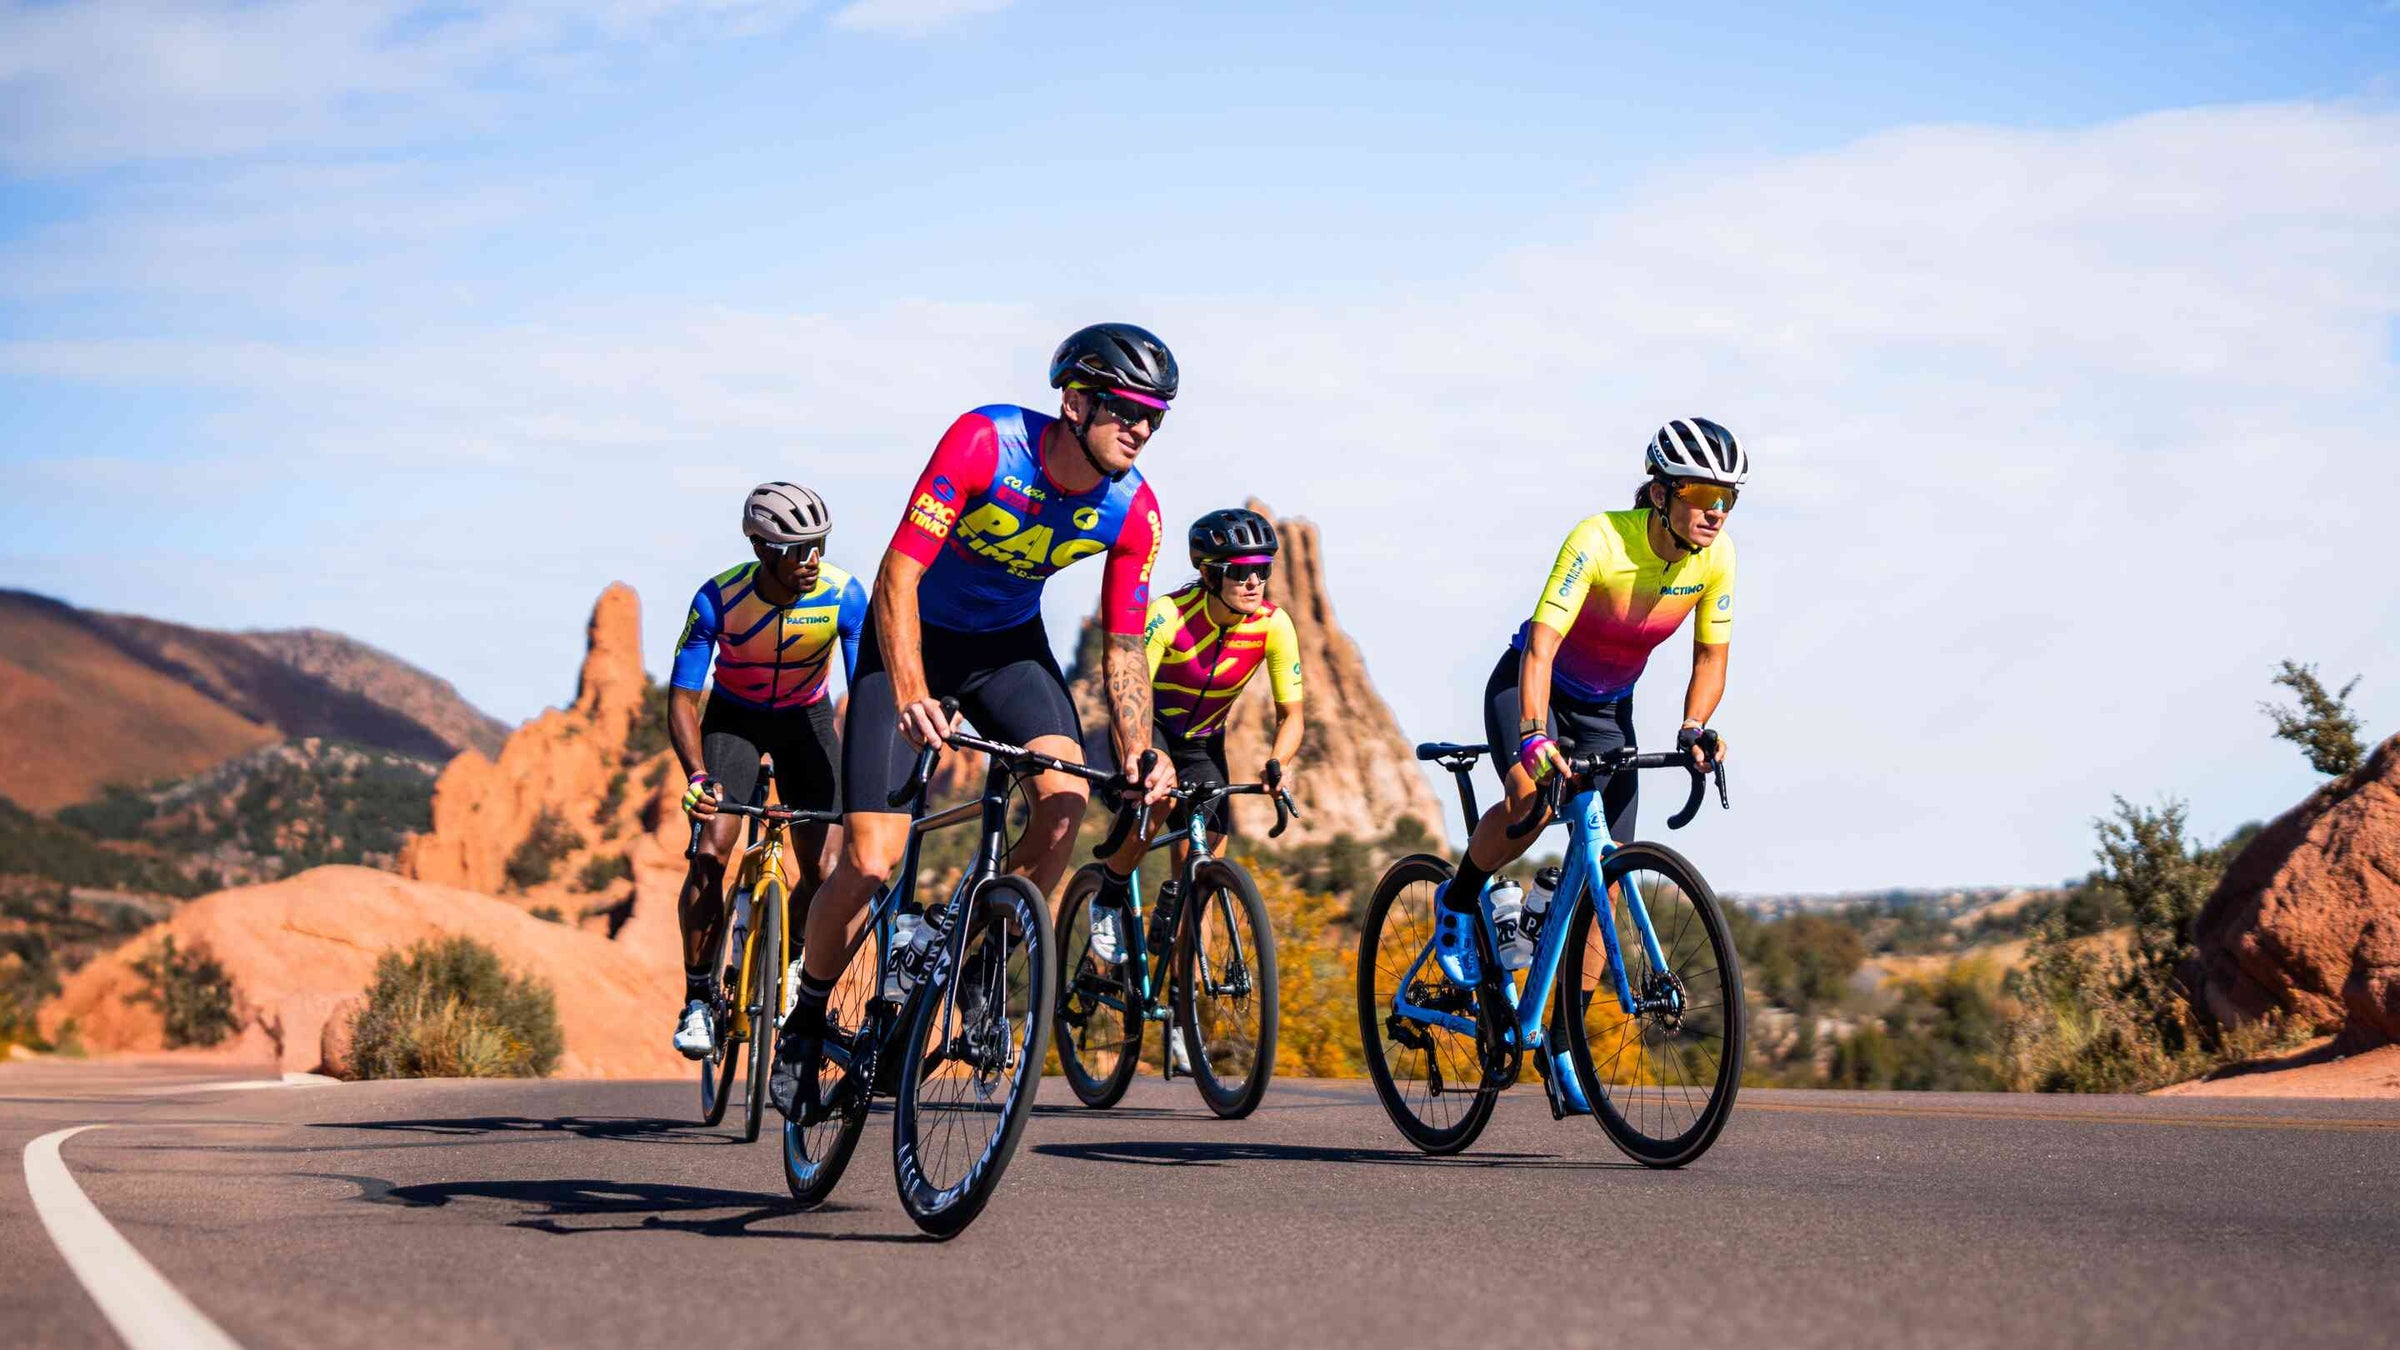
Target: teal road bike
<point x="1633" y="974"/>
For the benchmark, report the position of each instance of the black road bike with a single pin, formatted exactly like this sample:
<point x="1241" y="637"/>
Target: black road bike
<point x="1207" y="943"/>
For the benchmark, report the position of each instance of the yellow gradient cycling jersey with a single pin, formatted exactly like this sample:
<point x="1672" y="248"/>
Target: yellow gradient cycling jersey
<point x="1197" y="668"/>
<point x="1613" y="599"/>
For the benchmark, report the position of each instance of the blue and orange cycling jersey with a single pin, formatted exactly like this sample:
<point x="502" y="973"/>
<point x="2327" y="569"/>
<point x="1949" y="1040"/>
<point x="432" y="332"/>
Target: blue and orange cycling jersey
<point x="991" y="527"/>
<point x="1613" y="599"/>
<point x="1197" y="669"/>
<point x="769" y="656"/>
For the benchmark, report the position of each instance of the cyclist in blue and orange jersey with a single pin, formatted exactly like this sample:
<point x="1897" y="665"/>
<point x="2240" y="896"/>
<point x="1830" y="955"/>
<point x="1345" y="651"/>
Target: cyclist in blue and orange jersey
<point x="1009" y="497"/>
<point x="1622" y="583"/>
<point x="1204" y="642"/>
<point x="769" y="626"/>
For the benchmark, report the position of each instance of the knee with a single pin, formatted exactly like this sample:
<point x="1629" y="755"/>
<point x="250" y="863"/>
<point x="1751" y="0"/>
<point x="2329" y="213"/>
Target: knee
<point x="866" y="858"/>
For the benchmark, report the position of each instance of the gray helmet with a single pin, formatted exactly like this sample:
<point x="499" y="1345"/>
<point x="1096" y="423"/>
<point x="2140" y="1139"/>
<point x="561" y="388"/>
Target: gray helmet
<point x="786" y="513"/>
<point x="1696" y="448"/>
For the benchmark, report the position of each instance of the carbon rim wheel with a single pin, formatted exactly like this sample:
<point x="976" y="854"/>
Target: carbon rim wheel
<point x="765" y="1006"/>
<point x="1426" y="1075"/>
<point x="974" y="1060"/>
<point x="815" y="1155"/>
<point x="1662" y="1078"/>
<point x="1097" y="1027"/>
<point x="1225" y="989"/>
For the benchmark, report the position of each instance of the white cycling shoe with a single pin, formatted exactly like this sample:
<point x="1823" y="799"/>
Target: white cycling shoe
<point x="1108" y="940"/>
<point x="1178" y="1049"/>
<point x="696" y="1032"/>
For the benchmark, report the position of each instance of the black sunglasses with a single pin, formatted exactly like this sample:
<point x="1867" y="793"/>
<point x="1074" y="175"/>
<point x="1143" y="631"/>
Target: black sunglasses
<point x="1241" y="572"/>
<point x="1127" y="410"/>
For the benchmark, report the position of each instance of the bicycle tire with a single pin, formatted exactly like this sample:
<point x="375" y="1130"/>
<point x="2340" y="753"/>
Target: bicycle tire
<point x="765" y="988"/>
<point x="1222" y="888"/>
<point x="1435" y="1130"/>
<point x="716" y="1071"/>
<point x="1097" y="1071"/>
<point x="816" y="1155"/>
<point x="1008" y="917"/>
<point x="1648" y="1094"/>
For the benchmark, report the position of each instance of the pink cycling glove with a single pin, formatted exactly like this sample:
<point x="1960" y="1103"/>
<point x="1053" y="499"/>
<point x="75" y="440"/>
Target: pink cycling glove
<point x="1532" y="752"/>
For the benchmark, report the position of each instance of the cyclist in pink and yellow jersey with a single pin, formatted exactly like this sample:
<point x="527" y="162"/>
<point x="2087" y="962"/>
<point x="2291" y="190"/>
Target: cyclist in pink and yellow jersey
<point x="1623" y="582"/>
<point x="1205" y="643"/>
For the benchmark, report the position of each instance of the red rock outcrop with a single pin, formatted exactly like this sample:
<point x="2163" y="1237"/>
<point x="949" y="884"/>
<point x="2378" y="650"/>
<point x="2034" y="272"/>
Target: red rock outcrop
<point x="2307" y="918"/>
<point x="301" y="950"/>
<point x="1357" y="774"/>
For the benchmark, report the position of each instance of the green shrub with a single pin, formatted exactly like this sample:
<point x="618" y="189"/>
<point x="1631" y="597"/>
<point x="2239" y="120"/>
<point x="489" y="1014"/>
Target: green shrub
<point x="603" y="869"/>
<point x="66" y="853"/>
<point x="548" y="913"/>
<point x="2322" y="726"/>
<point x="448" y="1008"/>
<point x="610" y="800"/>
<point x="538" y="854"/>
<point x="648" y="734"/>
<point x="191" y="991"/>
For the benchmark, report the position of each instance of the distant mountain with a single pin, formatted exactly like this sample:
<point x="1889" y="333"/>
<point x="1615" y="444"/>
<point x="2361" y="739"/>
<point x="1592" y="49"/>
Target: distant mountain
<point x="91" y="700"/>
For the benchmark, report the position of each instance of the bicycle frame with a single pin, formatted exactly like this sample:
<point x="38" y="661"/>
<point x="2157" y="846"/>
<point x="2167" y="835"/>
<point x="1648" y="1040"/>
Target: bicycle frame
<point x="1150" y="980"/>
<point x="1581" y="876"/>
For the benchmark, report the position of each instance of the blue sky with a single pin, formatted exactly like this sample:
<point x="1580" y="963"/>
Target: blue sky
<point x="2064" y="337"/>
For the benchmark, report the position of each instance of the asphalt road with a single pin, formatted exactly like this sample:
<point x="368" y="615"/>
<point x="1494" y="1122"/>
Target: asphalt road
<point x="546" y="1213"/>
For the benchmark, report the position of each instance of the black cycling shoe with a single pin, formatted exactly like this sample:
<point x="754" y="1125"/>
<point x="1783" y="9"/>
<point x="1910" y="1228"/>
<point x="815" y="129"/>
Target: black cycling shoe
<point x="793" y="1084"/>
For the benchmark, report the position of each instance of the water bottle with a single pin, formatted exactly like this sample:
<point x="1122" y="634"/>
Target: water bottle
<point x="1537" y="903"/>
<point x="922" y="957"/>
<point x="904" y="933"/>
<point x="1162" y="918"/>
<point x="1508" y="925"/>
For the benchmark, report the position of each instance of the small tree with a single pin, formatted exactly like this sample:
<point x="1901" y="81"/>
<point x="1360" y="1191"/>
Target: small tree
<point x="2322" y="726"/>
<point x="538" y="854"/>
<point x="192" y="992"/>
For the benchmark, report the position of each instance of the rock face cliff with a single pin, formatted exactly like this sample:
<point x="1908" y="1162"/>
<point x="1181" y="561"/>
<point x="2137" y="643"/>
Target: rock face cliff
<point x="1357" y="773"/>
<point x="2307" y="918"/>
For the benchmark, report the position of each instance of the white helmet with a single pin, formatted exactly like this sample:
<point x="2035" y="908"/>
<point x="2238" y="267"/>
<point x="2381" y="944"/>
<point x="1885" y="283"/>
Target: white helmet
<point x="786" y="513"/>
<point x="1696" y="448"/>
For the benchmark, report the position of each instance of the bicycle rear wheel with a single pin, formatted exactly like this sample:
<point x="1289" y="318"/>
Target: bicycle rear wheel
<point x="1098" y="1025"/>
<point x="1662" y="1079"/>
<point x="816" y="1154"/>
<point x="974" y="1060"/>
<point x="1426" y="1075"/>
<point x="762" y="990"/>
<point x="1225" y="989"/>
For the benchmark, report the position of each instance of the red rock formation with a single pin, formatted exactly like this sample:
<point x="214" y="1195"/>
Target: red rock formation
<point x="2307" y="918"/>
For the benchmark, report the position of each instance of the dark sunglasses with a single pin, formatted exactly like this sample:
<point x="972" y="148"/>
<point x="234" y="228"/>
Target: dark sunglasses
<point x="1127" y="411"/>
<point x="1238" y="573"/>
<point x="1708" y="496"/>
<point x="803" y="553"/>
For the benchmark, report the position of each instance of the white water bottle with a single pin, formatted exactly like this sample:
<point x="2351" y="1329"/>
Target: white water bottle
<point x="904" y="933"/>
<point x="1537" y="903"/>
<point x="1508" y="925"/>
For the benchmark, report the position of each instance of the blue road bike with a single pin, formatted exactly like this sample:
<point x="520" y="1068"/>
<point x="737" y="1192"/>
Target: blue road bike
<point x="1648" y="1005"/>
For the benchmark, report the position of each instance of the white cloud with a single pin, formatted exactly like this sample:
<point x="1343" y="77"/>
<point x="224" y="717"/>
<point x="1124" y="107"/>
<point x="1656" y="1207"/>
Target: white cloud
<point x="2063" y="439"/>
<point x="911" y="18"/>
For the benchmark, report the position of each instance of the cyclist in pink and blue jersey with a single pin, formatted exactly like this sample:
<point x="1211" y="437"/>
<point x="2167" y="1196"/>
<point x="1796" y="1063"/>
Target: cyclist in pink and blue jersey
<point x="769" y="627"/>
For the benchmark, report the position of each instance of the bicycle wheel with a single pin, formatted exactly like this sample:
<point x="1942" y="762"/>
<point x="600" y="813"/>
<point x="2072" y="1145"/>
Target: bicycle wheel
<point x="1662" y="1080"/>
<point x="716" y="1071"/>
<point x="1426" y="1075"/>
<point x="1098" y="1024"/>
<point x="762" y="987"/>
<point x="1225" y="988"/>
<point x="815" y="1155"/>
<point x="974" y="1060"/>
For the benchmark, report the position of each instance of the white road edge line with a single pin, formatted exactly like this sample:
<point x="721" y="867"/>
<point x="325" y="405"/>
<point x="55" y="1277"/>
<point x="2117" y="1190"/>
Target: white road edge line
<point x="148" y="1312"/>
<point x="231" y="1085"/>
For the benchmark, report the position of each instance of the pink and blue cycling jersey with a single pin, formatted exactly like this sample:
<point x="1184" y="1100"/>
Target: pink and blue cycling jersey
<point x="990" y="527"/>
<point x="769" y="656"/>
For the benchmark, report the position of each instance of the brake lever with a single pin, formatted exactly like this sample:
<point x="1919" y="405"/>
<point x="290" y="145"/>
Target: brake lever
<point x="1545" y="804"/>
<point x="692" y="850"/>
<point x="1128" y="822"/>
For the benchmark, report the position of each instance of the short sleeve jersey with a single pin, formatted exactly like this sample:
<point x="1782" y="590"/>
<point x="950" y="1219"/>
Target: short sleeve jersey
<point x="1197" y="669"/>
<point x="769" y="656"/>
<point x="1614" y="599"/>
<point x="991" y="527"/>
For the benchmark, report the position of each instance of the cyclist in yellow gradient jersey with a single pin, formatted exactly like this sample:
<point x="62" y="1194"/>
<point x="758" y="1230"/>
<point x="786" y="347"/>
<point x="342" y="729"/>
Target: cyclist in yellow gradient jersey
<point x="1205" y="643"/>
<point x="1622" y="583"/>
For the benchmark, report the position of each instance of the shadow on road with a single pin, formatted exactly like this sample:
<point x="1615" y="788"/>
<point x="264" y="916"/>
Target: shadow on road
<point x="587" y="1205"/>
<point x="635" y="1128"/>
<point x="1198" y="1153"/>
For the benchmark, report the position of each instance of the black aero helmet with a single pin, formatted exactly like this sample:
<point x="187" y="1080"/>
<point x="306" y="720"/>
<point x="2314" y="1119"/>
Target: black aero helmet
<point x="1221" y="536"/>
<point x="1118" y="356"/>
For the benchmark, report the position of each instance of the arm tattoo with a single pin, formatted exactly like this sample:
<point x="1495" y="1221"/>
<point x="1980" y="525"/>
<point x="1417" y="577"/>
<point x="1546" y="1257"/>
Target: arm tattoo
<point x="1128" y="670"/>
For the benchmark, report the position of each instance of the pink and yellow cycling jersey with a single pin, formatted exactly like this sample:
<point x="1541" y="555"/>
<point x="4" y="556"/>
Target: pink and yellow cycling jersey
<point x="1197" y="668"/>
<point x="769" y="656"/>
<point x="1613" y="599"/>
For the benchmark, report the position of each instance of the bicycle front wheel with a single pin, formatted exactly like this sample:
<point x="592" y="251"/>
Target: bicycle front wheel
<point x="1660" y="1076"/>
<point x="1225" y="989"/>
<point x="974" y="1059"/>
<point x="762" y="991"/>
<point x="815" y="1155"/>
<point x="1098" y="1026"/>
<point x="1427" y="1075"/>
<point x="716" y="1071"/>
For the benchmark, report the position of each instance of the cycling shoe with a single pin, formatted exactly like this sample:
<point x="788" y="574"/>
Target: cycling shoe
<point x="793" y="1084"/>
<point x="1454" y="943"/>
